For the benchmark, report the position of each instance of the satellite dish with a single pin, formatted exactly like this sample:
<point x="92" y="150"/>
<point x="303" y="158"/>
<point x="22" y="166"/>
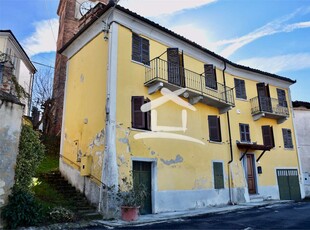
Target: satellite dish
<point x="86" y="6"/>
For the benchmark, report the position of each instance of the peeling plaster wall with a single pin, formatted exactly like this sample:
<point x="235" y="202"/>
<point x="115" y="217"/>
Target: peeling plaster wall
<point x="10" y="128"/>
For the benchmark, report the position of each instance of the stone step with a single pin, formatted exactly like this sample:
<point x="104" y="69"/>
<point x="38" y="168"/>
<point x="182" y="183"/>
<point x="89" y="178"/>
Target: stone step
<point x="256" y="198"/>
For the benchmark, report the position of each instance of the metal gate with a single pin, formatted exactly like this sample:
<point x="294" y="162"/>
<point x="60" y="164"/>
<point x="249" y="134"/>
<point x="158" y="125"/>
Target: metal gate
<point x="288" y="183"/>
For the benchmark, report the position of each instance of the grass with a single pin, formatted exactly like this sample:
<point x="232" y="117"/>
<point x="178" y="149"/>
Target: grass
<point x="49" y="163"/>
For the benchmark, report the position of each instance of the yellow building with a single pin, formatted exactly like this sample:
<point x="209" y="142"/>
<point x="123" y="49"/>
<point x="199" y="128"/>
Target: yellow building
<point x="142" y="102"/>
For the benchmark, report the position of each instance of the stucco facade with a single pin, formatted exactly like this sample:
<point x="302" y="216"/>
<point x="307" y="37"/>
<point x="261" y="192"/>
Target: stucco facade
<point x="22" y="67"/>
<point x="103" y="79"/>
<point x="302" y="125"/>
<point x="11" y="111"/>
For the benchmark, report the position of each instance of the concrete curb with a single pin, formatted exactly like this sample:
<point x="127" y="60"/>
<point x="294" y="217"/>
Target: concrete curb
<point x="173" y="216"/>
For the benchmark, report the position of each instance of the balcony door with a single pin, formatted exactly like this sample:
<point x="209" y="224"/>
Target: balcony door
<point x="175" y="67"/>
<point x="264" y="99"/>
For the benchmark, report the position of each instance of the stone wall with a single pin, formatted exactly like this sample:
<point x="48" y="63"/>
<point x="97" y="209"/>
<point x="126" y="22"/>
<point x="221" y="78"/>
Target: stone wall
<point x="11" y="111"/>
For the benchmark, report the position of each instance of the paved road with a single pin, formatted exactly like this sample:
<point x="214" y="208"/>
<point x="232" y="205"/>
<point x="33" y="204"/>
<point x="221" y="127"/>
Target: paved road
<point x="280" y="216"/>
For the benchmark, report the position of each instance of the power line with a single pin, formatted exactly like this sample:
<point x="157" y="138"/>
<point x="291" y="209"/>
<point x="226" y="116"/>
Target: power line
<point x="49" y="21"/>
<point x="38" y="63"/>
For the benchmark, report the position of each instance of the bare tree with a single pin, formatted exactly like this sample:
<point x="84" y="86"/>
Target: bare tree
<point x="42" y="99"/>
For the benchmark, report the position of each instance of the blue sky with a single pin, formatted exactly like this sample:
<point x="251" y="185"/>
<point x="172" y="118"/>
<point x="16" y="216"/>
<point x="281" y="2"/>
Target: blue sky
<point x="271" y="35"/>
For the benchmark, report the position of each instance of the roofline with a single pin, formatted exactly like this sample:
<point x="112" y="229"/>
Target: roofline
<point x="21" y="48"/>
<point x="105" y="8"/>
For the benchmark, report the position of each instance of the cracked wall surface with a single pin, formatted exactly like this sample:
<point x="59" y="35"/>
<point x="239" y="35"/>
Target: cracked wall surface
<point x="10" y="128"/>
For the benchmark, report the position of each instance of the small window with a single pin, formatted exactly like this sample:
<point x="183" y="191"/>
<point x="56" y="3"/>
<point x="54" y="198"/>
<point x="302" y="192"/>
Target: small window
<point x="287" y="138"/>
<point x="214" y="128"/>
<point x="240" y="88"/>
<point x="140" y="49"/>
<point x="282" y="97"/>
<point x="140" y="120"/>
<point x="210" y="76"/>
<point x="268" y="138"/>
<point x="244" y="133"/>
<point x="218" y="175"/>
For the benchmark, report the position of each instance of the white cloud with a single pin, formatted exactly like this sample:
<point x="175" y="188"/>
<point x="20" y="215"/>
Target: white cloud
<point x="43" y="40"/>
<point x="193" y="33"/>
<point x="276" y="26"/>
<point x="155" y="8"/>
<point x="278" y="64"/>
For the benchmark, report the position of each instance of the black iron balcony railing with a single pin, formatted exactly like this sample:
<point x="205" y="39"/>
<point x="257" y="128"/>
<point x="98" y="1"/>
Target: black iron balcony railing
<point x="268" y="105"/>
<point x="161" y="70"/>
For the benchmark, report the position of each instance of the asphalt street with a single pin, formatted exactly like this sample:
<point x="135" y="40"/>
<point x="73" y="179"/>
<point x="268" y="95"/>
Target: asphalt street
<point x="279" y="216"/>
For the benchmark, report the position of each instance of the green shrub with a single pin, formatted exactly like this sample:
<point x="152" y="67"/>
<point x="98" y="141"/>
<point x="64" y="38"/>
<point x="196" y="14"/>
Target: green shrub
<point x="21" y="210"/>
<point x="31" y="153"/>
<point x="60" y="214"/>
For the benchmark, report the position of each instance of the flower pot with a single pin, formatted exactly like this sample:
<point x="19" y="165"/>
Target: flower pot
<point x="129" y="213"/>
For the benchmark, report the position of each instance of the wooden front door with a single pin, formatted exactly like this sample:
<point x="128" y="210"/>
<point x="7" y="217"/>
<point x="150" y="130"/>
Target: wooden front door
<point x="251" y="174"/>
<point x="142" y="174"/>
<point x="175" y="67"/>
<point x="264" y="99"/>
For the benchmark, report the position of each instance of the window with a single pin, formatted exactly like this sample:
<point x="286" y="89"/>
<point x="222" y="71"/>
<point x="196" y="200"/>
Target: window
<point x="282" y="97"/>
<point x="140" y="120"/>
<point x="140" y="49"/>
<point x="214" y="128"/>
<point x="240" y="88"/>
<point x="218" y="175"/>
<point x="268" y="136"/>
<point x="244" y="133"/>
<point x="287" y="138"/>
<point x="210" y="76"/>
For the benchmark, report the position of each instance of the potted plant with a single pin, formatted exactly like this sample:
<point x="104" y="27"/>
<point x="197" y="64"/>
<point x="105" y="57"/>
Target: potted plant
<point x="131" y="199"/>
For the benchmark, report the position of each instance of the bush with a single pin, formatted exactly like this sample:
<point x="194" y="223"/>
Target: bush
<point x="60" y="214"/>
<point x="22" y="210"/>
<point x="31" y="153"/>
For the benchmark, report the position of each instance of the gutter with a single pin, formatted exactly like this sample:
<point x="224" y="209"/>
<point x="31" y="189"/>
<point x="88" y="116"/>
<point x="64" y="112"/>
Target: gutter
<point x="230" y="142"/>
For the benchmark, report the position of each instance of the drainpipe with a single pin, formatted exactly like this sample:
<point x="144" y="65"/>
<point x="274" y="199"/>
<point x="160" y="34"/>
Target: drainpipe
<point x="230" y="142"/>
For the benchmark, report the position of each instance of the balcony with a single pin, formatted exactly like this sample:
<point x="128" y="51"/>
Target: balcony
<point x="269" y="108"/>
<point x="160" y="74"/>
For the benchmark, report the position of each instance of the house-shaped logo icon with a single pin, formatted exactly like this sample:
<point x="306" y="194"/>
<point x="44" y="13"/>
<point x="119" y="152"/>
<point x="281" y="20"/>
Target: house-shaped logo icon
<point x="163" y="131"/>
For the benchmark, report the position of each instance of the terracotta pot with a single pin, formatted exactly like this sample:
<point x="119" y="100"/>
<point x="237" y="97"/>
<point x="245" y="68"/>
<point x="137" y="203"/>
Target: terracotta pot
<point x="129" y="213"/>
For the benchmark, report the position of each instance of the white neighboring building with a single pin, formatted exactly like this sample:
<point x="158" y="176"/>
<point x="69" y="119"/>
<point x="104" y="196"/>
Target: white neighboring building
<point x="302" y="126"/>
<point x="23" y="68"/>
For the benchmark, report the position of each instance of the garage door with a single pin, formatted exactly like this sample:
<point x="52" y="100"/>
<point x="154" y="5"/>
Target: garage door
<point x="288" y="183"/>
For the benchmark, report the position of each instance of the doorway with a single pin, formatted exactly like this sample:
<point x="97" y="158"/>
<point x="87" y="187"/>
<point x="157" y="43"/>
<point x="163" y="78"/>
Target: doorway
<point x="264" y="97"/>
<point x="250" y="173"/>
<point x="142" y="174"/>
<point x="288" y="183"/>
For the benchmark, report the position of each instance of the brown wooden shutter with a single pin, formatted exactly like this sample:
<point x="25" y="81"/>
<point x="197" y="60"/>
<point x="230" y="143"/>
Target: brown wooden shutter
<point x="137" y="116"/>
<point x="136" y="48"/>
<point x="173" y="59"/>
<point x="214" y="128"/>
<point x="268" y="138"/>
<point x="281" y="97"/>
<point x="240" y="88"/>
<point x="148" y="116"/>
<point x="145" y="51"/>
<point x="210" y="76"/>
<point x="287" y="138"/>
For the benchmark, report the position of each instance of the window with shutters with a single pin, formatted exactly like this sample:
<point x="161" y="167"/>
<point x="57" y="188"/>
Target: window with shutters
<point x="218" y="175"/>
<point x="268" y="138"/>
<point x="244" y="133"/>
<point x="240" y="88"/>
<point x="210" y="76"/>
<point x="214" y="128"/>
<point x="140" y="120"/>
<point x="140" y="49"/>
<point x="282" y="97"/>
<point x="287" y="138"/>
